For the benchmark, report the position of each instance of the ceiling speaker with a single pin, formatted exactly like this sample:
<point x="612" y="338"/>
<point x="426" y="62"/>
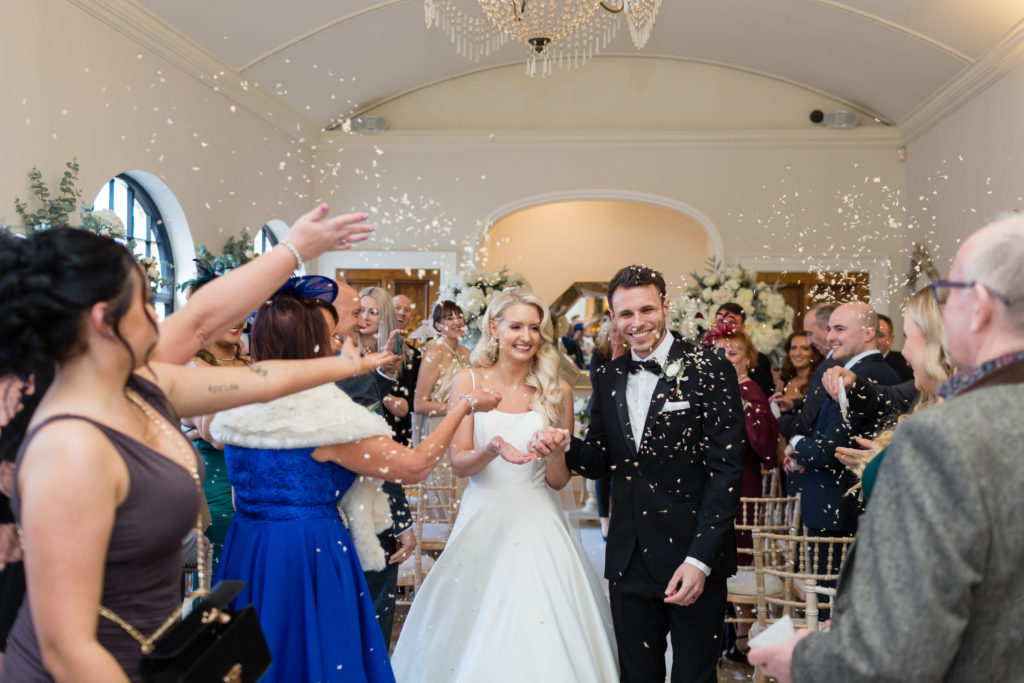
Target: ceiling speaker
<point x="841" y="118"/>
<point x="369" y="124"/>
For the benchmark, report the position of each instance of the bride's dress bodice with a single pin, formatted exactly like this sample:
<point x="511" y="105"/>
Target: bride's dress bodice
<point x="515" y="428"/>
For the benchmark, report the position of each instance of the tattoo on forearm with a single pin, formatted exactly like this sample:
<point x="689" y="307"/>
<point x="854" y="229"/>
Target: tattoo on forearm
<point x="258" y="369"/>
<point x="221" y="388"/>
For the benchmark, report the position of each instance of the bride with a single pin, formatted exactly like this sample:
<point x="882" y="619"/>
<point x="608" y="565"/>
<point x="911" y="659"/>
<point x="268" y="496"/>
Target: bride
<point x="512" y="597"/>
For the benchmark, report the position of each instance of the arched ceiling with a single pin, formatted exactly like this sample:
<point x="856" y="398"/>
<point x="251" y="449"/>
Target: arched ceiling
<point x="326" y="59"/>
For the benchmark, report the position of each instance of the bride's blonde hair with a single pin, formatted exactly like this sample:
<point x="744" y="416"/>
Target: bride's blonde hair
<point x="543" y="372"/>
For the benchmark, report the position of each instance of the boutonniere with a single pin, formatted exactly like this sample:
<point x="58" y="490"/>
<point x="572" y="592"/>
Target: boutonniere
<point x="672" y="372"/>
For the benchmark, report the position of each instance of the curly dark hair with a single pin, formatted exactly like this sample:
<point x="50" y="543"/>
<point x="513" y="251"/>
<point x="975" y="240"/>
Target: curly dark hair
<point x="49" y="281"/>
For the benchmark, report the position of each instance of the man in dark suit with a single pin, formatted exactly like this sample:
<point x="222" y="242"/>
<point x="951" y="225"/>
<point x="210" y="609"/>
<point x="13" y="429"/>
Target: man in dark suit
<point x="667" y="423"/>
<point x="733" y="313"/>
<point x="800" y="414"/>
<point x="894" y="358"/>
<point x="826" y="510"/>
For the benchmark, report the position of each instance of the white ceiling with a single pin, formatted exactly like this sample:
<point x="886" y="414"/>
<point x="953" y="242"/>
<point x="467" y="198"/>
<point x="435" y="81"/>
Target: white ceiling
<point x="326" y="59"/>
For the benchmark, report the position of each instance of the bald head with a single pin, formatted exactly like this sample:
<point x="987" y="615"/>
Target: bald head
<point x="985" y="320"/>
<point x="347" y="306"/>
<point x="852" y="330"/>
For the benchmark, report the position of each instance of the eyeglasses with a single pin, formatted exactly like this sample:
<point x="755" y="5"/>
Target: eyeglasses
<point x="941" y="290"/>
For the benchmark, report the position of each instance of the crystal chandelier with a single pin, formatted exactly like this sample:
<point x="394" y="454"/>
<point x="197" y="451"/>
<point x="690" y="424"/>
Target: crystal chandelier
<point x="563" y="32"/>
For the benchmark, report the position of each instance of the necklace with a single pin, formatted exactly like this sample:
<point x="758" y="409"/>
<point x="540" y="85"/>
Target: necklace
<point x="225" y="360"/>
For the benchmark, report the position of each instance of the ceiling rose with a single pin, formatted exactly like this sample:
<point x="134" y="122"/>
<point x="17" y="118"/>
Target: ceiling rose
<point x="563" y="32"/>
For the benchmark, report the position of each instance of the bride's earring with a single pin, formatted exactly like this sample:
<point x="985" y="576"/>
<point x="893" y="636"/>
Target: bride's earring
<point x="492" y="350"/>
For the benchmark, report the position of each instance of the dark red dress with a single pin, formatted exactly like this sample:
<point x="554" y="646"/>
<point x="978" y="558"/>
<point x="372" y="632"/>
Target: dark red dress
<point x="762" y="445"/>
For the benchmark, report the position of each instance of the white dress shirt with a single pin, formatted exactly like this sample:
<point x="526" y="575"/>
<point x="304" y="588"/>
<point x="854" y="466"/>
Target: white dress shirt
<point x="640" y="388"/>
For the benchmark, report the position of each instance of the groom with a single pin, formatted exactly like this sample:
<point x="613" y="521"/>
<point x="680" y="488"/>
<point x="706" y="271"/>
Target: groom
<point x="667" y="423"/>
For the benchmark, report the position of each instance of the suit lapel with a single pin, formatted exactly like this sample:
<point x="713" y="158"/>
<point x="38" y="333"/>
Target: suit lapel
<point x="622" y="407"/>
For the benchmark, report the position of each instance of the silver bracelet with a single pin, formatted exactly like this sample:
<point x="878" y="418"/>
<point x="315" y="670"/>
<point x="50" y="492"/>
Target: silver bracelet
<point x="470" y="399"/>
<point x="295" y="253"/>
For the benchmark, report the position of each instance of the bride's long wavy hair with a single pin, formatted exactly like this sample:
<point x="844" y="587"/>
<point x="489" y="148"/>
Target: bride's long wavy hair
<point x="543" y="372"/>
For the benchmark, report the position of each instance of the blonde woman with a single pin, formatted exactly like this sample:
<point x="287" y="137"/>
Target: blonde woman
<point x="927" y="354"/>
<point x="513" y="596"/>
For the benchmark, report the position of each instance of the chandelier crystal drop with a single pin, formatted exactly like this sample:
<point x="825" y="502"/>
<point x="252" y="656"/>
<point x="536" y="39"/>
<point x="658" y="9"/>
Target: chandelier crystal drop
<point x="566" y="33"/>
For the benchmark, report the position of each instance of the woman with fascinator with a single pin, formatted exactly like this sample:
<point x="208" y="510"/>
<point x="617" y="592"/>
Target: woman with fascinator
<point x="512" y="597"/>
<point x="290" y="461"/>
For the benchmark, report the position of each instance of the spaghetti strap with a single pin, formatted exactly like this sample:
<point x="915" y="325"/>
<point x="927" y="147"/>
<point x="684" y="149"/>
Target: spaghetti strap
<point x="472" y="377"/>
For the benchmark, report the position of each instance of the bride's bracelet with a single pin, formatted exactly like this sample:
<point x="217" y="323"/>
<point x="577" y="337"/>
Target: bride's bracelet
<point x="470" y="400"/>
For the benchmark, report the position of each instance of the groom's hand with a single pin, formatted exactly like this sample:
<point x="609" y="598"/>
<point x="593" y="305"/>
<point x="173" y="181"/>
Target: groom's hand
<point x="685" y="586"/>
<point x="550" y="440"/>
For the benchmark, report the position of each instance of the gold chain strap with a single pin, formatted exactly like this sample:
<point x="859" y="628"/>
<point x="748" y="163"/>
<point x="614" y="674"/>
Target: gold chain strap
<point x="189" y="460"/>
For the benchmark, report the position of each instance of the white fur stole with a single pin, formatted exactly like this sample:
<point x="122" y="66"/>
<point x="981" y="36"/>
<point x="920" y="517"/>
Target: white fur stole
<point x="321" y="416"/>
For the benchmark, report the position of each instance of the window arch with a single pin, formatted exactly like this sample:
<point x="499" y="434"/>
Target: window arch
<point x="264" y="241"/>
<point x="145" y="225"/>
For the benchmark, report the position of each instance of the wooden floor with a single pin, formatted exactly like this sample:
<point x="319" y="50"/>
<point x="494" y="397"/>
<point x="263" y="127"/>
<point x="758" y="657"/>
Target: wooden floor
<point x="593" y="545"/>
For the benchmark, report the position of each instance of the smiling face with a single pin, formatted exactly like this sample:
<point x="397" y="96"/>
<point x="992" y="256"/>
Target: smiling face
<point x="347" y="306"/>
<point x="915" y="352"/>
<point x="230" y="338"/>
<point x="369" y="316"/>
<point x="884" y="338"/>
<point x="518" y="332"/>
<point x="800" y="351"/>
<point x="403" y="310"/>
<point x="452" y="326"/>
<point x="639" y="314"/>
<point x="848" y="336"/>
<point x="730" y="318"/>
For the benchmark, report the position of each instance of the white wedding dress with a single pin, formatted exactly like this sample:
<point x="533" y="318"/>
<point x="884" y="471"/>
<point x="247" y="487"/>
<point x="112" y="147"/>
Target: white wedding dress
<point x="512" y="597"/>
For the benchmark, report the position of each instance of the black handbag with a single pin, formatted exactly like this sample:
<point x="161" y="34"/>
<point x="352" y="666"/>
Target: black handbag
<point x="211" y="644"/>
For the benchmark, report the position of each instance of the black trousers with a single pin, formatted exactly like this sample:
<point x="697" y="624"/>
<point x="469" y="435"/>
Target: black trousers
<point x="383" y="587"/>
<point x="643" y="619"/>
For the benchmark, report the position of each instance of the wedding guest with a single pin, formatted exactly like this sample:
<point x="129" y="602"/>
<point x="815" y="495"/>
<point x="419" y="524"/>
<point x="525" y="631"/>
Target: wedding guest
<point x="202" y="319"/>
<point x="290" y="460"/>
<point x="894" y="358"/>
<point x="800" y="414"/>
<point x="925" y="350"/>
<point x="610" y="345"/>
<point x="667" y="425"/>
<point x="374" y="319"/>
<point x="930" y="591"/>
<point x="443" y="357"/>
<point x="513" y="593"/>
<point x="801" y="360"/>
<point x="412" y="358"/>
<point x="224" y="352"/>
<point x="380" y="326"/>
<point x="732" y="313"/>
<point x="823" y="481"/>
<point x="759" y="455"/>
<point x="106" y="487"/>
<point x="571" y="341"/>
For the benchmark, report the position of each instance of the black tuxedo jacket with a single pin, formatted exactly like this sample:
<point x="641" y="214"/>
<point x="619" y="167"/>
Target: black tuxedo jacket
<point x="825" y="481"/>
<point x="898" y="363"/>
<point x="677" y="493"/>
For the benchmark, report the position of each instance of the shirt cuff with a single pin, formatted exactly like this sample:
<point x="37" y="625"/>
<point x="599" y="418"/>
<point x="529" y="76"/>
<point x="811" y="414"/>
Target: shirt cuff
<point x="386" y="375"/>
<point x="698" y="564"/>
<point x="795" y="440"/>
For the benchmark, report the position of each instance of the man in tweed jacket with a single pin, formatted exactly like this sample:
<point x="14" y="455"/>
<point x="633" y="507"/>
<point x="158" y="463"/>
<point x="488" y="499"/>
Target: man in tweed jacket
<point x="932" y="589"/>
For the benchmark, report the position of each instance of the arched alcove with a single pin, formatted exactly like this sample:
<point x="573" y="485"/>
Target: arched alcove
<point x="556" y="242"/>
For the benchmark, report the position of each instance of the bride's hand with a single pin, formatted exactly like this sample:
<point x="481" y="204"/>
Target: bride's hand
<point x="550" y="440"/>
<point x="499" y="447"/>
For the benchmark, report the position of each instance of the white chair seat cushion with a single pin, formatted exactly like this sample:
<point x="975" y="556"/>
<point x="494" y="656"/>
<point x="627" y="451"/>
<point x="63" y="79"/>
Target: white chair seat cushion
<point x="434" y="532"/>
<point x="407" y="570"/>
<point x="744" y="583"/>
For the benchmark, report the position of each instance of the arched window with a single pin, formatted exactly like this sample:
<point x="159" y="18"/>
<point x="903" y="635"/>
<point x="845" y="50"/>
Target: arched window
<point x="144" y="224"/>
<point x="264" y="241"/>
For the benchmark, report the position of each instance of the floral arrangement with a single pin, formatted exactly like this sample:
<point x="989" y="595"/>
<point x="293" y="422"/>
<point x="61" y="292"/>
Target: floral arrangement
<point x="769" y="319"/>
<point x="473" y="290"/>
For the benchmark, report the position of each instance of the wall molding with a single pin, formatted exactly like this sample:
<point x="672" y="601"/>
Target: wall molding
<point x="444" y="261"/>
<point x="864" y="138"/>
<point x="1003" y="58"/>
<point x="153" y="34"/>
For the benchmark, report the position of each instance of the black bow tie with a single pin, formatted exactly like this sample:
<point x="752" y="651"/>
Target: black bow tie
<point x="636" y="366"/>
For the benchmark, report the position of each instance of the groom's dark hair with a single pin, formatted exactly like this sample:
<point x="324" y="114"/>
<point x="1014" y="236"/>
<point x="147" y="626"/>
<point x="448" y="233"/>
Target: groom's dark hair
<point x="636" y="276"/>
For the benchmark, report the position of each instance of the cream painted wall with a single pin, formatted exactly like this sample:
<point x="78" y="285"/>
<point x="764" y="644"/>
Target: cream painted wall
<point x="787" y="195"/>
<point x="554" y="245"/>
<point x="969" y="168"/>
<point x="627" y="93"/>
<point x="81" y="88"/>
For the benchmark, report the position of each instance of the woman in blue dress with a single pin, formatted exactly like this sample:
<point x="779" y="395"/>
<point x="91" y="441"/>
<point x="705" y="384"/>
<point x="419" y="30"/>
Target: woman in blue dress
<point x="302" y="565"/>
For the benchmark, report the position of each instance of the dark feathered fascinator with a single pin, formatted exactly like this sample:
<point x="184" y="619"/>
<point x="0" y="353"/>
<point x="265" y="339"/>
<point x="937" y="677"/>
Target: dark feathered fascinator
<point x="310" y="287"/>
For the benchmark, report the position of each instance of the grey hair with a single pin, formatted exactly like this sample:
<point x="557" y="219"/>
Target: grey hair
<point x="997" y="261"/>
